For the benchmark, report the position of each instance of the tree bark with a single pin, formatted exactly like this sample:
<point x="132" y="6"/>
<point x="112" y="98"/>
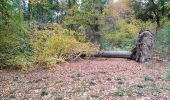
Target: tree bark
<point x="112" y="54"/>
<point x="143" y="50"/>
<point x="157" y="19"/>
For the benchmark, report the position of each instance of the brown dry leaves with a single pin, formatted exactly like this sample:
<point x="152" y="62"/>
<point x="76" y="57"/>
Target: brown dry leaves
<point x="98" y="79"/>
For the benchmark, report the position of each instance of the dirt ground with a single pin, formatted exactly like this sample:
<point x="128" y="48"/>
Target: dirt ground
<point x="96" y="79"/>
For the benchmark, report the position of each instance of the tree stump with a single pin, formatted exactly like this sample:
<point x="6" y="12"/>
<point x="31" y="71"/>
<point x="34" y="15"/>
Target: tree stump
<point x="143" y="50"/>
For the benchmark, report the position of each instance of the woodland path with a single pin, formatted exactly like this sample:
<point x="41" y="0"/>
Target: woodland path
<point x="95" y="79"/>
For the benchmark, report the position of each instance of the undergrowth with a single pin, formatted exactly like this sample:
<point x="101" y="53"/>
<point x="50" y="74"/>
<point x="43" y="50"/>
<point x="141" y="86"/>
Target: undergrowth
<point x="41" y="47"/>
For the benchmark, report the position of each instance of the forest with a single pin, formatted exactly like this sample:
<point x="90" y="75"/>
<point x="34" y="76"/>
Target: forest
<point x="44" y="37"/>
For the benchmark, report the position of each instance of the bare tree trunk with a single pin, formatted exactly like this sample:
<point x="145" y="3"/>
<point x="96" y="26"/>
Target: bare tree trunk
<point x="29" y="10"/>
<point x="95" y="27"/>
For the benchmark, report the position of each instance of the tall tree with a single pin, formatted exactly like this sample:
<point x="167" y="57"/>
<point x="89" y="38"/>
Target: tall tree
<point x="150" y="10"/>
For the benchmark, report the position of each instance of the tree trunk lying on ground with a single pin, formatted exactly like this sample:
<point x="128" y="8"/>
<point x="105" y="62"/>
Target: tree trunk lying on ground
<point x="141" y="53"/>
<point x="112" y="54"/>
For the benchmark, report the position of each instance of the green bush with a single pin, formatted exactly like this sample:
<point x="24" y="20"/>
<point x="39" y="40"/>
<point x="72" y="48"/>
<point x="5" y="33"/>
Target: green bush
<point x="162" y="45"/>
<point x="14" y="53"/>
<point x="15" y="49"/>
<point x="126" y="31"/>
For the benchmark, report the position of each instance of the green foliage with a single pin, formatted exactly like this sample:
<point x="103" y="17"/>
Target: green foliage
<point x="123" y="36"/>
<point x="167" y="7"/>
<point x="86" y="17"/>
<point x="153" y="10"/>
<point x="22" y="46"/>
<point x="14" y="44"/>
<point x="162" y="45"/>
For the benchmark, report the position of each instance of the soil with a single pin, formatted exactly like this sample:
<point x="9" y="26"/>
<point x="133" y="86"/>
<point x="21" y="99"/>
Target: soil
<point x="95" y="79"/>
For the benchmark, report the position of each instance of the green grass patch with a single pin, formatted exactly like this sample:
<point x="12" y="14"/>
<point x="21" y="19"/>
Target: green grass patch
<point x="76" y="76"/>
<point x="120" y="92"/>
<point x="168" y="74"/>
<point x="147" y="78"/>
<point x="91" y="83"/>
<point x="94" y="96"/>
<point x="12" y="96"/>
<point x="141" y="85"/>
<point x="44" y="93"/>
<point x="59" y="98"/>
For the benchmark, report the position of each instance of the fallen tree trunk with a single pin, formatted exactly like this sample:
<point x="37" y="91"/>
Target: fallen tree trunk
<point x="141" y="53"/>
<point x="112" y="54"/>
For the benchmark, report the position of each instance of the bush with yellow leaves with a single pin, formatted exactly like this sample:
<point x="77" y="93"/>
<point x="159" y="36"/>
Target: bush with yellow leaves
<point x="55" y="44"/>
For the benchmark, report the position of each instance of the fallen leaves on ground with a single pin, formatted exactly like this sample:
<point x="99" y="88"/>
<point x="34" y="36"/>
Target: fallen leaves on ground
<point x="97" y="79"/>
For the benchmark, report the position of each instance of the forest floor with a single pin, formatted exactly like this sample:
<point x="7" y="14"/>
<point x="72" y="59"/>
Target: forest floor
<point x="95" y="79"/>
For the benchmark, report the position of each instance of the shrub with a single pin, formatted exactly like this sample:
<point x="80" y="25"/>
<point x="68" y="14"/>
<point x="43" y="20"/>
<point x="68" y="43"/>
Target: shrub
<point x="162" y="45"/>
<point x="48" y="46"/>
<point x="14" y="54"/>
<point x="15" y="49"/>
<point x="56" y="44"/>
